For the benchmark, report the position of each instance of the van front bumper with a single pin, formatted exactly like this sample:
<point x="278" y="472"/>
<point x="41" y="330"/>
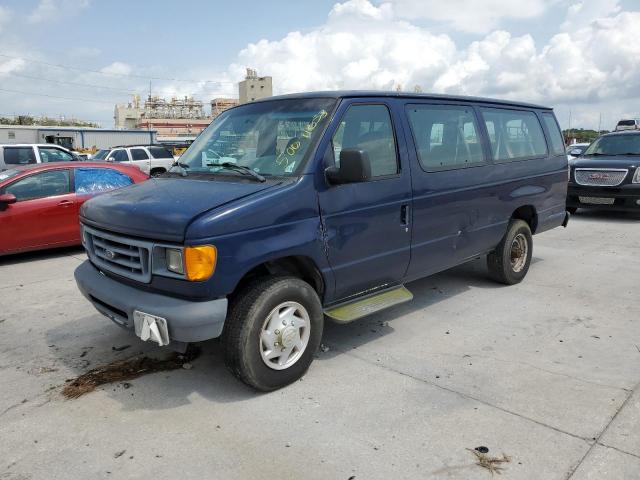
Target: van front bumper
<point x="187" y="321"/>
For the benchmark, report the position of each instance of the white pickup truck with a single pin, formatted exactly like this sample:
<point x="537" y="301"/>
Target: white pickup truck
<point x="151" y="159"/>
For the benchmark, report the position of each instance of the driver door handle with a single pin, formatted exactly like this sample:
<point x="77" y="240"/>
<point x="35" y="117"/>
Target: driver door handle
<point x="404" y="217"/>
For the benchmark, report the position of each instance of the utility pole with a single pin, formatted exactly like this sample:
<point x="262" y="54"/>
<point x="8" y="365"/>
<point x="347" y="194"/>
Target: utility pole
<point x="600" y="123"/>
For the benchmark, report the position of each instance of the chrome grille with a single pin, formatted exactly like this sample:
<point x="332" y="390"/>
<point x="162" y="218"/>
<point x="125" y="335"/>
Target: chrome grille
<point x="604" y="177"/>
<point x="118" y="254"/>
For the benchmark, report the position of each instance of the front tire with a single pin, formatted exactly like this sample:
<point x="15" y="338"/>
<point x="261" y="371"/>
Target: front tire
<point x="572" y="210"/>
<point x="273" y="329"/>
<point x="510" y="261"/>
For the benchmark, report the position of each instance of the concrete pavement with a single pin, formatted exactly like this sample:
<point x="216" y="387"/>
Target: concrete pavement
<point x="546" y="372"/>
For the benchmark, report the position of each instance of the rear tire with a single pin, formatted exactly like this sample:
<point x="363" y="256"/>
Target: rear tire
<point x="273" y="329"/>
<point x="510" y="261"/>
<point x="156" y="172"/>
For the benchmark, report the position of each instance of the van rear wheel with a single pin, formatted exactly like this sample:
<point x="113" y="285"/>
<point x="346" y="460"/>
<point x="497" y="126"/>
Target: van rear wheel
<point x="510" y="261"/>
<point x="273" y="329"/>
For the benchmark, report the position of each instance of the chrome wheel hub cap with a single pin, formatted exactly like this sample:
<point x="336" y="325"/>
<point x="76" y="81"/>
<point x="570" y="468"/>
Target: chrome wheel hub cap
<point x="519" y="252"/>
<point x="285" y="335"/>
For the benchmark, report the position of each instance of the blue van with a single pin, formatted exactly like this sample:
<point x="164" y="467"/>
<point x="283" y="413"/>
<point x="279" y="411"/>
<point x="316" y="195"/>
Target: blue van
<point x="290" y="209"/>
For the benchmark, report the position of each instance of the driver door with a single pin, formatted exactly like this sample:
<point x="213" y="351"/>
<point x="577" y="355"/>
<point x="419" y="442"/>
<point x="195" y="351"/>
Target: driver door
<point x="367" y="223"/>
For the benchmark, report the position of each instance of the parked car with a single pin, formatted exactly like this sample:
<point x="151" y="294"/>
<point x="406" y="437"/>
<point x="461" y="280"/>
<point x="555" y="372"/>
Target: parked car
<point x="607" y="175"/>
<point x="575" y="150"/>
<point x="627" y="125"/>
<point x="39" y="203"/>
<point x="151" y="159"/>
<point x="291" y="208"/>
<point x="26" y="154"/>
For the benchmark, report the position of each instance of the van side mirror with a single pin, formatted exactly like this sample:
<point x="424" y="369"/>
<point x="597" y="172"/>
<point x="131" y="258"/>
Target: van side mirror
<point x="354" y="167"/>
<point x="576" y="152"/>
<point x="7" y="199"/>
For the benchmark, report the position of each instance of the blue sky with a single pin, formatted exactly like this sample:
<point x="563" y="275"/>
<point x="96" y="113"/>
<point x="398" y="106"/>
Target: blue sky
<point x="580" y="56"/>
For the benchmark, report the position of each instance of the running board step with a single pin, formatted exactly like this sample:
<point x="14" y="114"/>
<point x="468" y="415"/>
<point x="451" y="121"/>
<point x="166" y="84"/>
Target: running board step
<point x="363" y="306"/>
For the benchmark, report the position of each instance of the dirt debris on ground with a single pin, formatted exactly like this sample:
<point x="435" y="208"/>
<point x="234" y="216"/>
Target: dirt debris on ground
<point x="122" y="370"/>
<point x="493" y="464"/>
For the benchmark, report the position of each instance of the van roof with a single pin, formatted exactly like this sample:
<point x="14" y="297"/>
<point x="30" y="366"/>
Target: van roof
<point x="417" y="96"/>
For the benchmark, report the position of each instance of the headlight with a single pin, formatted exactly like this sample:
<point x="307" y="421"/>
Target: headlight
<point x="636" y="177"/>
<point x="200" y="262"/>
<point x="173" y="258"/>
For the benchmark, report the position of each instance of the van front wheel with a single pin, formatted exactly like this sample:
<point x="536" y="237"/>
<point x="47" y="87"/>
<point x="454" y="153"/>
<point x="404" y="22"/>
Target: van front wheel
<point x="273" y="329"/>
<point x="509" y="262"/>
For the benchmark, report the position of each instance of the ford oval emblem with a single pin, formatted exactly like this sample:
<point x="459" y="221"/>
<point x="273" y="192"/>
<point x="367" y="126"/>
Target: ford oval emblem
<point x="109" y="254"/>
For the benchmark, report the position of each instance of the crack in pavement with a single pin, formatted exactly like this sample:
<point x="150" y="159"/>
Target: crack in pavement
<point x="551" y="372"/>
<point x="618" y="450"/>
<point x="573" y="470"/>
<point x="463" y="395"/>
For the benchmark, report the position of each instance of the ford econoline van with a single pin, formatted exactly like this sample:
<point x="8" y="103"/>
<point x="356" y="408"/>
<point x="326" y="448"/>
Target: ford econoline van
<point x="293" y="209"/>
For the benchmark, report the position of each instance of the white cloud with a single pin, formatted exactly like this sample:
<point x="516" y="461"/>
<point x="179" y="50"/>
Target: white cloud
<point x="469" y="15"/>
<point x="11" y="65"/>
<point x="581" y="13"/>
<point x="117" y="68"/>
<point x="51" y="10"/>
<point x="362" y="46"/>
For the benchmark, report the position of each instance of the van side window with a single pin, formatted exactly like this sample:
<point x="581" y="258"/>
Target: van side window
<point x="368" y="128"/>
<point x="514" y="134"/>
<point x="446" y="137"/>
<point x="555" y="137"/>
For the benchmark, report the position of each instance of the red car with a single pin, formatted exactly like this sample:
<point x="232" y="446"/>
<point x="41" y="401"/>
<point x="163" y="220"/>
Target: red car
<point x="39" y="204"/>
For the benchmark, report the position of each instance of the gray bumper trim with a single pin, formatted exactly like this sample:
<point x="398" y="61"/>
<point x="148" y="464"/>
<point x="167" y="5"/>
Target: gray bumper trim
<point x="188" y="321"/>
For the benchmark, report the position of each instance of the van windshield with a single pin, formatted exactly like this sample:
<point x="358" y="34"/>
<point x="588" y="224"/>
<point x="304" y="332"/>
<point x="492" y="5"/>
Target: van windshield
<point x="270" y="138"/>
<point x="624" y="144"/>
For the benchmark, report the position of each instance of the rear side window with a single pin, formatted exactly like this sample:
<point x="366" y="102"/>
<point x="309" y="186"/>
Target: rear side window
<point x="40" y="185"/>
<point x="50" y="154"/>
<point x="19" y="155"/>
<point x="514" y="134"/>
<point x="139" y="154"/>
<point x="160" y="152"/>
<point x="555" y="137"/>
<point x="446" y="137"/>
<point x="95" y="180"/>
<point x="368" y="128"/>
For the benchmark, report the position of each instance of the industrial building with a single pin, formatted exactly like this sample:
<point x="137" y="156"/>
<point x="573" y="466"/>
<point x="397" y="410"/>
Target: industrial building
<point x="254" y="87"/>
<point x="75" y="138"/>
<point x="175" y="118"/>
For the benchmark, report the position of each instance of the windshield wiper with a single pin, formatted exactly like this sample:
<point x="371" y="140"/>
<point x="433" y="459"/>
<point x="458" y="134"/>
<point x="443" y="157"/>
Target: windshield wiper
<point x="183" y="167"/>
<point x="239" y="168"/>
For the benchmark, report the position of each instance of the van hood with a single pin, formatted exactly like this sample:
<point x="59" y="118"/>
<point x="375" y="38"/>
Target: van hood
<point x="162" y="208"/>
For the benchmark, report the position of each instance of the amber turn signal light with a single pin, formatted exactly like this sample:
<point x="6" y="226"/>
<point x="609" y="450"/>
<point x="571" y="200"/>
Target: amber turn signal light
<point x="200" y="262"/>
